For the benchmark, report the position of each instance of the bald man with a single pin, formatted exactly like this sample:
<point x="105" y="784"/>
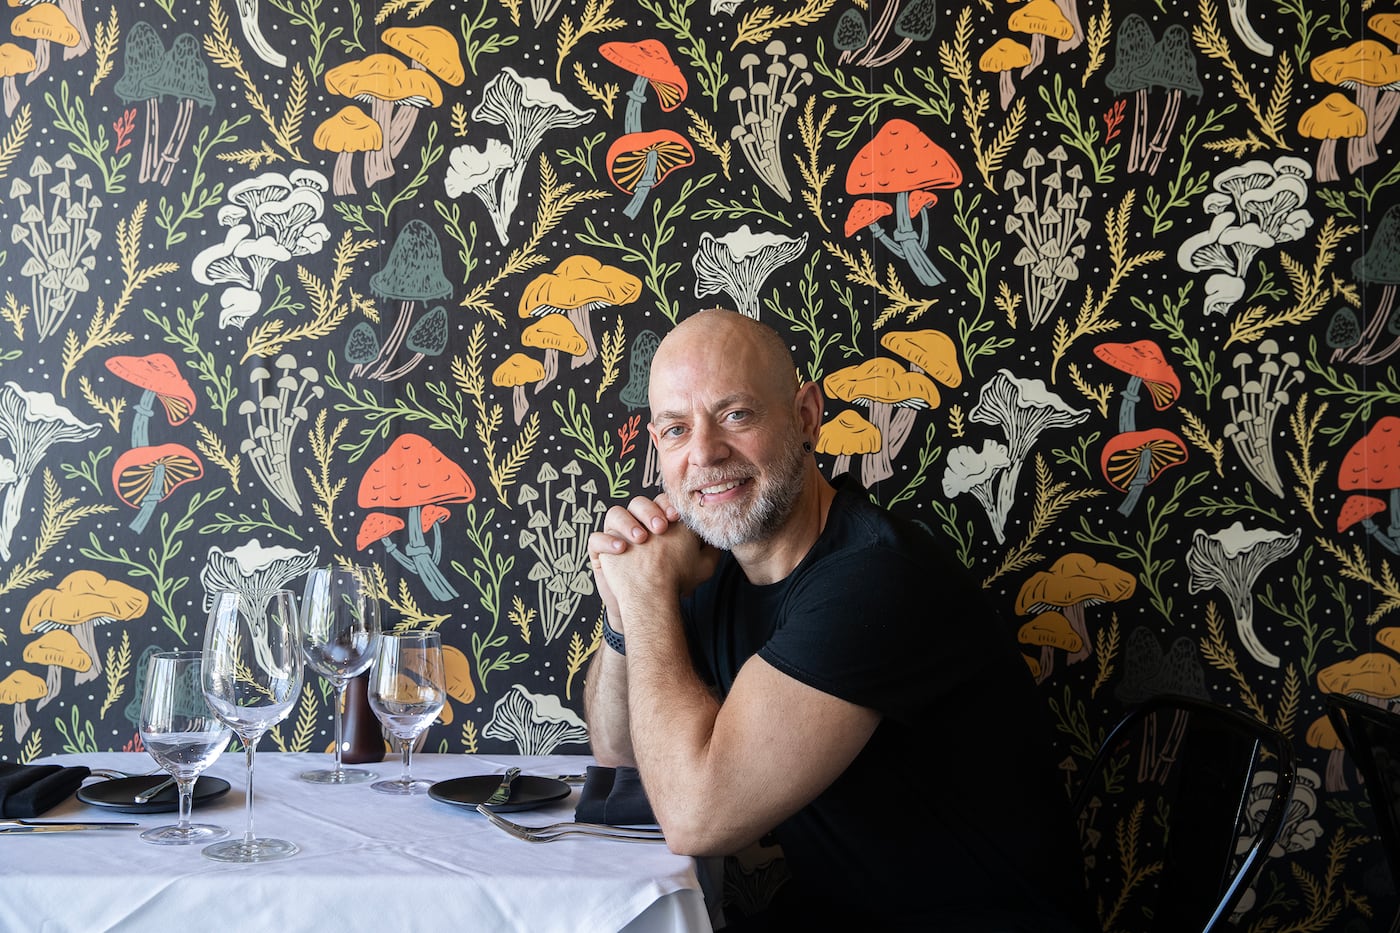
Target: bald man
<point x="784" y="656"/>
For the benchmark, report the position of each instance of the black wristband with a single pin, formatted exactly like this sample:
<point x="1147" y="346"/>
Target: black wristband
<point x="613" y="638"/>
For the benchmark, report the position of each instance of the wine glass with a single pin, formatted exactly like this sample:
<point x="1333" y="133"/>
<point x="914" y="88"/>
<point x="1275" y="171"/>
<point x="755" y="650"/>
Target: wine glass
<point x="339" y="632"/>
<point x="252" y="674"/>
<point x="183" y="735"/>
<point x="406" y="692"/>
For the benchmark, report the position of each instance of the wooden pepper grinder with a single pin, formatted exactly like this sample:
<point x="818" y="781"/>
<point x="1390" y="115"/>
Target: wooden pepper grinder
<point x="364" y="738"/>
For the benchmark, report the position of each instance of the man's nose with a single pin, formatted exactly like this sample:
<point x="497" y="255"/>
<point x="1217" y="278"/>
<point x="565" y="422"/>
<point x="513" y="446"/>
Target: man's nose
<point x="708" y="445"/>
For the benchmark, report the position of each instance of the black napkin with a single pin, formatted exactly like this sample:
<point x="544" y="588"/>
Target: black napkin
<point x="614" y="796"/>
<point x="30" y="790"/>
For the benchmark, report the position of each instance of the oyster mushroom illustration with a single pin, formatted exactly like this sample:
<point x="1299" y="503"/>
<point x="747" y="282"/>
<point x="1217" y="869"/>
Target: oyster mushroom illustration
<point x="1049" y="631"/>
<point x="1372" y="465"/>
<point x="1004" y="57"/>
<point x="82" y="601"/>
<point x="930" y="351"/>
<point x="1231" y="560"/>
<point x="1144" y="364"/>
<point x="30" y="424"/>
<point x="579" y="286"/>
<point x="515" y="373"/>
<point x="739" y="263"/>
<point x="14" y="61"/>
<point x="976" y="472"/>
<point x="1372" y="71"/>
<point x="899" y="160"/>
<point x="17" y="689"/>
<point x="412" y="474"/>
<point x="894" y="395"/>
<point x="528" y="108"/>
<point x="1330" y="120"/>
<point x="1073" y="583"/>
<point x="59" y="651"/>
<point x="638" y="162"/>
<point x="348" y="131"/>
<point x="384" y="82"/>
<point x="144" y="477"/>
<point x="845" y="436"/>
<point x="46" y="24"/>
<point x="538" y="724"/>
<point x="159" y="378"/>
<point x="554" y="334"/>
<point x="1132" y="461"/>
<point x="651" y="62"/>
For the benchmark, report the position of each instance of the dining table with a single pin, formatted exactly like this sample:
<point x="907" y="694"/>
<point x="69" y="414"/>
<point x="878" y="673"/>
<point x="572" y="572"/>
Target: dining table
<point x="367" y="862"/>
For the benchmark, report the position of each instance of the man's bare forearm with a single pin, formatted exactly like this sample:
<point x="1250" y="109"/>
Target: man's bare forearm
<point x="606" y="710"/>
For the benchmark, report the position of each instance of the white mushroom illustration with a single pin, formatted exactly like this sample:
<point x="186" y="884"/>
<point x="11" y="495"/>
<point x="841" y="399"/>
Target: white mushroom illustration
<point x="739" y="263"/>
<point x="537" y="724"/>
<point x="30" y="423"/>
<point x="1232" y="560"/>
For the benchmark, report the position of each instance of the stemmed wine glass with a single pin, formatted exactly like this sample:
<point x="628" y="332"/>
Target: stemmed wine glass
<point x="252" y="674"/>
<point x="183" y="735"/>
<point x="339" y="632"/>
<point x="406" y="692"/>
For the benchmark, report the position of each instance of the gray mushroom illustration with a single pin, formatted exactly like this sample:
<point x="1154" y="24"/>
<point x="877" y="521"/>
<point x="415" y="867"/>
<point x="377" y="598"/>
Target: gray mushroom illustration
<point x="143" y="53"/>
<point x="1255" y="403"/>
<point x="763" y="105"/>
<point x="478" y="172"/>
<point x="528" y="108"/>
<point x="184" y="76"/>
<point x="561" y="515"/>
<point x="538" y="724"/>
<point x="976" y="472"/>
<point x="56" y="230"/>
<point x="1231" y="560"/>
<point x="1048" y="217"/>
<point x="411" y="275"/>
<point x="30" y="423"/>
<point x="1380" y="265"/>
<point x="273" y="420"/>
<point x="256" y="571"/>
<point x="740" y="262"/>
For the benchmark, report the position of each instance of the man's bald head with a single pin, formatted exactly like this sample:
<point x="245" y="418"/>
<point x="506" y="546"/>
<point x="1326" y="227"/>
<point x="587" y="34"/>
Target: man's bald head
<point x="774" y="369"/>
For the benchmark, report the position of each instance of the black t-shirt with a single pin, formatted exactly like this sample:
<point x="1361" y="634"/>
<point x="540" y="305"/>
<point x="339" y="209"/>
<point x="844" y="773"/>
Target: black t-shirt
<point x="952" y="813"/>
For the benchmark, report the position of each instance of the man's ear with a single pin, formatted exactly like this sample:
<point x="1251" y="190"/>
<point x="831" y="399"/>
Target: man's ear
<point x="809" y="405"/>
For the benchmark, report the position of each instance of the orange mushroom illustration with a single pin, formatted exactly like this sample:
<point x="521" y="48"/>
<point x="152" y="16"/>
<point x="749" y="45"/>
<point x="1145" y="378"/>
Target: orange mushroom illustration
<point x="17" y="689"/>
<point x="845" y="436"/>
<point x="517" y="372"/>
<point x="1144" y="364"/>
<point x="577" y="287"/>
<point x="58" y="650"/>
<point x="651" y="62"/>
<point x="894" y="395"/>
<point x="554" y="334"/>
<point x="1004" y="57"/>
<point x="639" y="162"/>
<point x="1371" y="676"/>
<point x="348" y="131"/>
<point x="14" y="61"/>
<point x="1048" y="631"/>
<point x="385" y="83"/>
<point x="378" y="526"/>
<point x="899" y="161"/>
<point x="415" y="474"/>
<point x="46" y="24"/>
<point x="83" y="600"/>
<point x="1131" y="462"/>
<point x="160" y="379"/>
<point x="1073" y="583"/>
<point x="1331" y="119"/>
<point x="1372" y="70"/>
<point x="144" y="476"/>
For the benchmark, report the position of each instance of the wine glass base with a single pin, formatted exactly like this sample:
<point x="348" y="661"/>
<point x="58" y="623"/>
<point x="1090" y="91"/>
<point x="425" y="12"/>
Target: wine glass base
<point x="402" y="788"/>
<point x="177" y="835"/>
<point x="343" y="776"/>
<point x="254" y="850"/>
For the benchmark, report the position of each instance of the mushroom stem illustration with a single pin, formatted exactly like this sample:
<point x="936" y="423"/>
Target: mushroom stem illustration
<point x="1232" y="560"/>
<point x="248" y="19"/>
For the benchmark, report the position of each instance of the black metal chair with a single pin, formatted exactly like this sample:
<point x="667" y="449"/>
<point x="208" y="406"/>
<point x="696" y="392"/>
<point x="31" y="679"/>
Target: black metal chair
<point x="1178" y="812"/>
<point x="1371" y="736"/>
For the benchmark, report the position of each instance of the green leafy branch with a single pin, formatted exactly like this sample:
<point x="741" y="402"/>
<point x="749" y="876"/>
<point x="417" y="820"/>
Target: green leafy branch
<point x="804" y="315"/>
<point x="710" y="73"/>
<point x="658" y="271"/>
<point x="489" y="570"/>
<point x="473" y="48"/>
<point x="1186" y="186"/>
<point x="1063" y="108"/>
<point x="83" y="737"/>
<point x="1356" y="402"/>
<point x="1301" y="613"/>
<point x="306" y="13"/>
<point x="582" y="155"/>
<point x="595" y="448"/>
<point x="449" y="414"/>
<point x="451" y="215"/>
<point x="197" y="199"/>
<point x="975" y="256"/>
<point x="70" y="115"/>
<point x="928" y="456"/>
<point x="735" y="210"/>
<point x="428" y="156"/>
<point x="935" y="99"/>
<point x="1141" y="549"/>
<point x="1171" y="320"/>
<point x="224" y="523"/>
<point x="156" y="563"/>
<point x="184" y="333"/>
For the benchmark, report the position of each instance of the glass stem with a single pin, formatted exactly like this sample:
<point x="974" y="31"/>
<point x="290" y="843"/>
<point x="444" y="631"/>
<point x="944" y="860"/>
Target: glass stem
<point x="248" y="746"/>
<point x="339" y="727"/>
<point x="186" y="786"/>
<point x="406" y="746"/>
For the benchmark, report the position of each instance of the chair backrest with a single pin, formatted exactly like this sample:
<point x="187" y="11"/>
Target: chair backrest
<point x="1177" y="813"/>
<point x="1371" y="736"/>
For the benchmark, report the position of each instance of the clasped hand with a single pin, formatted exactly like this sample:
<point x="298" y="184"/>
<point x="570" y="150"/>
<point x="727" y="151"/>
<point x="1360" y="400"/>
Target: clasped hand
<point x="644" y="553"/>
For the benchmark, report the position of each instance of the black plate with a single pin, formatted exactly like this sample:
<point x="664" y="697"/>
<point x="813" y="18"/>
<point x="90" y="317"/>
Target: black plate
<point x="120" y="794"/>
<point x="528" y="791"/>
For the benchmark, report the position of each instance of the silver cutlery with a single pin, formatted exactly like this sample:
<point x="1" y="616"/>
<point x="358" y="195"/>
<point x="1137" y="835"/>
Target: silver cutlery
<point x="502" y="792"/>
<point x="146" y="795"/>
<point x="56" y="826"/>
<point x="555" y="831"/>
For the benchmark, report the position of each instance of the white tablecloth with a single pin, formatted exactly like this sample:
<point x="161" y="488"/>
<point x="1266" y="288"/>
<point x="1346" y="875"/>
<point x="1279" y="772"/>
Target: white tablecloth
<point x="368" y="861"/>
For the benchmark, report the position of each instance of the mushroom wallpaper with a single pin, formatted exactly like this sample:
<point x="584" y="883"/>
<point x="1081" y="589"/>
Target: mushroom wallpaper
<point x="1102" y="292"/>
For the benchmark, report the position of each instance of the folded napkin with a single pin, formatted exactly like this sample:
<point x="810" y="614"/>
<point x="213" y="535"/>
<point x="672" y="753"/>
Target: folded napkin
<point x="614" y="796"/>
<point x="29" y="790"/>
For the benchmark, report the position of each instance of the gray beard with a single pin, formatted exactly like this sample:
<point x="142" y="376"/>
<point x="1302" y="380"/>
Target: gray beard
<point x="729" y="526"/>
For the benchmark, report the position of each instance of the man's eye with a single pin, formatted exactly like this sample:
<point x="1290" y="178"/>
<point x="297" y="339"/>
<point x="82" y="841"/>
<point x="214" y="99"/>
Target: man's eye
<point x="674" y="430"/>
<point x="737" y="416"/>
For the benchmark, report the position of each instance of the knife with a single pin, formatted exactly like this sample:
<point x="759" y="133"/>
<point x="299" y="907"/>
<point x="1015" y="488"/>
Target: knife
<point x="56" y="826"/>
<point x="502" y="792"/>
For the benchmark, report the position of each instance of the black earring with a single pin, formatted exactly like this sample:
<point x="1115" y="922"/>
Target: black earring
<point x="807" y="446"/>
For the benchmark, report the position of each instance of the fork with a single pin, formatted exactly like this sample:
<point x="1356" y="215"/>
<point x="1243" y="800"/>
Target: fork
<point x="559" y="830"/>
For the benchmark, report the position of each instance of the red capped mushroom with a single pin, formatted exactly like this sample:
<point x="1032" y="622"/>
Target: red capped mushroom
<point x="651" y="62"/>
<point x="1359" y="509"/>
<point x="1133" y="461"/>
<point x="639" y="162"/>
<point x="1144" y="363"/>
<point x="144" y="476"/>
<point x="158" y="375"/>
<point x="1373" y="463"/>
<point x="867" y="212"/>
